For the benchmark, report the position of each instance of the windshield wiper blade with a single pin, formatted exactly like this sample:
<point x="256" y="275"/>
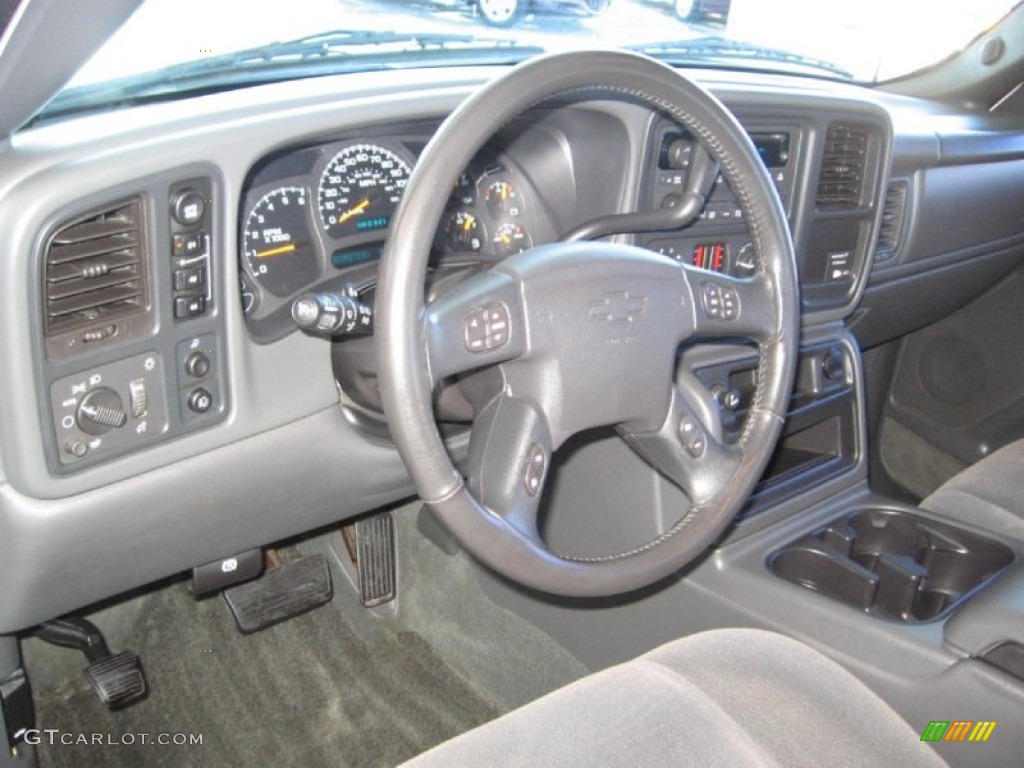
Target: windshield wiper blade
<point x="704" y="50"/>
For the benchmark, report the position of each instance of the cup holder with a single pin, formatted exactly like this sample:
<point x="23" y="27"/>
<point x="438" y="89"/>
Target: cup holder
<point x="892" y="563"/>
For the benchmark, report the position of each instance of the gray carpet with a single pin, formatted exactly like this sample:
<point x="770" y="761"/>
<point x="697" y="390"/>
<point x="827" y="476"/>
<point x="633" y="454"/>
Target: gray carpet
<point x="328" y="688"/>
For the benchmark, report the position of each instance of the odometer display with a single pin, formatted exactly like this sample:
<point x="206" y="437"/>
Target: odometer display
<point x="360" y="188"/>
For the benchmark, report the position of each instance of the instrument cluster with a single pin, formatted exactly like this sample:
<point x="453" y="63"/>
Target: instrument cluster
<point x="318" y="217"/>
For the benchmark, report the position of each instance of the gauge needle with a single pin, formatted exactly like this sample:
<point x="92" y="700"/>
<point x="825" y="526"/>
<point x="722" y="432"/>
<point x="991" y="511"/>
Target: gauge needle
<point x="354" y="210"/>
<point x="275" y="251"/>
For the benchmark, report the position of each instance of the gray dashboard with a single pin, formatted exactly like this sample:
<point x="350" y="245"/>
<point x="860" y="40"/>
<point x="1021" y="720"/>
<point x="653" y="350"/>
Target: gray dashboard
<point x="280" y="451"/>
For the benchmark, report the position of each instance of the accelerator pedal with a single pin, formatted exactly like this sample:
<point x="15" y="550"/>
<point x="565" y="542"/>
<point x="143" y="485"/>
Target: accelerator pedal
<point x="370" y="542"/>
<point x="280" y="594"/>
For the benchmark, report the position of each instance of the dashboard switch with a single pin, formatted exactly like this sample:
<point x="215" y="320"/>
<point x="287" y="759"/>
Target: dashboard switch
<point x="138" y="398"/>
<point x="189" y="279"/>
<point x="197" y="365"/>
<point x="77" y="448"/>
<point x="189" y="306"/>
<point x="189" y="245"/>
<point x="200" y="400"/>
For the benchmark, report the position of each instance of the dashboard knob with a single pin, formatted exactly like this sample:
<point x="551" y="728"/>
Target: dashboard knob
<point x="100" y="411"/>
<point x="677" y="156"/>
<point x="188" y="207"/>
<point x="197" y="365"/>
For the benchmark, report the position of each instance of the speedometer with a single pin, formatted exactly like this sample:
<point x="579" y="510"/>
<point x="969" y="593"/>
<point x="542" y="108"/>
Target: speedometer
<point x="360" y="189"/>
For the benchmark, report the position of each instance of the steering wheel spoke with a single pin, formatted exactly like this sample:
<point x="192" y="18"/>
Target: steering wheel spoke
<point x="731" y="307"/>
<point x="476" y="324"/>
<point x="510" y="451"/>
<point x="688" y="448"/>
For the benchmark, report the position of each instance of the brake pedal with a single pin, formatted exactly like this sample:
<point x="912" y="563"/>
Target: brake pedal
<point x="370" y="542"/>
<point x="280" y="594"/>
<point x="117" y="679"/>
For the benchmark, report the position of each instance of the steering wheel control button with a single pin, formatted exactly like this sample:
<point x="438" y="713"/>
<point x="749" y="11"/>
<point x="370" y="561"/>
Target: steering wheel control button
<point x="488" y="327"/>
<point x="200" y="400"/>
<point x="720" y="303"/>
<point x="536" y="466"/>
<point x="692" y="436"/>
<point x="188" y="207"/>
<point x="101" y="411"/>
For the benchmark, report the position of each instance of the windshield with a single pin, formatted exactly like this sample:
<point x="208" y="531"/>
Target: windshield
<point x="172" y="47"/>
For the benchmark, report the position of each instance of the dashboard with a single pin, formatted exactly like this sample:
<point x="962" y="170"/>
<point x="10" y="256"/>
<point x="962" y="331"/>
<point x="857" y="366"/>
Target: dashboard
<point x="186" y="414"/>
<point x="316" y="218"/>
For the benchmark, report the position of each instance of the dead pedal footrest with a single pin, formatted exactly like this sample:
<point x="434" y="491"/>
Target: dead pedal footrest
<point x="280" y="594"/>
<point x="375" y="559"/>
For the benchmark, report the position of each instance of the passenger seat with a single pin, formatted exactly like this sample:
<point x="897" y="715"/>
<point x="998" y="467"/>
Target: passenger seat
<point x="988" y="494"/>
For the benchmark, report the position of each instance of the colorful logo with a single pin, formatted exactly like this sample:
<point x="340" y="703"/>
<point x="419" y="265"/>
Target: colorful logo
<point x="958" y="730"/>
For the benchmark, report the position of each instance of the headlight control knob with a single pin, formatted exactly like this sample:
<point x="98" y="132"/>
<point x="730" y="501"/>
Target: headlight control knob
<point x="100" y="411"/>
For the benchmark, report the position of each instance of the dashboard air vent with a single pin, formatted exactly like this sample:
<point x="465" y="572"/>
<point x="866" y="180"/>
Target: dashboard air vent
<point x="892" y="220"/>
<point x="842" y="168"/>
<point x="95" y="269"/>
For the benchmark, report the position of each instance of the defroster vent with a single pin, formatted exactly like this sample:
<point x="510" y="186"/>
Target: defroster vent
<point x="96" y="270"/>
<point x="842" y="168"/>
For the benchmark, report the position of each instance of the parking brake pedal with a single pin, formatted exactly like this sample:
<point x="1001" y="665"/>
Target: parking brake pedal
<point x="117" y="679"/>
<point x="280" y="594"/>
<point x="370" y="542"/>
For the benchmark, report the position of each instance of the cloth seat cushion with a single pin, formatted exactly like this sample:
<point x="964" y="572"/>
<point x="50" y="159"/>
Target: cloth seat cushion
<point x="728" y="697"/>
<point x="988" y="494"/>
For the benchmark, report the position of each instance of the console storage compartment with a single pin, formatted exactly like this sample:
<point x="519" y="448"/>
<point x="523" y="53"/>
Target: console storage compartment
<point x="892" y="563"/>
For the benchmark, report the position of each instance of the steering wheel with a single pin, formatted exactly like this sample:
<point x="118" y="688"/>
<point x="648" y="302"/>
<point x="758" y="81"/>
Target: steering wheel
<point x="575" y="335"/>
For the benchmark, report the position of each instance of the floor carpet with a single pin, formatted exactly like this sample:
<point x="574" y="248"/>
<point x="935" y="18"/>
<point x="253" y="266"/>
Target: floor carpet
<point x="326" y="688"/>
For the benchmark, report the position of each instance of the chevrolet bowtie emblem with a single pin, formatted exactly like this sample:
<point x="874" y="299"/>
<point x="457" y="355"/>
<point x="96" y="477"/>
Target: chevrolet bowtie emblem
<point x="618" y="307"/>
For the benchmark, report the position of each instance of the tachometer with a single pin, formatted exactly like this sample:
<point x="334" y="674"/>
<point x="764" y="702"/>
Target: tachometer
<point x="360" y="189"/>
<point x="278" y="247"/>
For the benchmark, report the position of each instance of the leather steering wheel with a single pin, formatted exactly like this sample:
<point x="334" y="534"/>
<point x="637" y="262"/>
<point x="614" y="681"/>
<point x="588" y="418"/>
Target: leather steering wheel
<point x="575" y="335"/>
